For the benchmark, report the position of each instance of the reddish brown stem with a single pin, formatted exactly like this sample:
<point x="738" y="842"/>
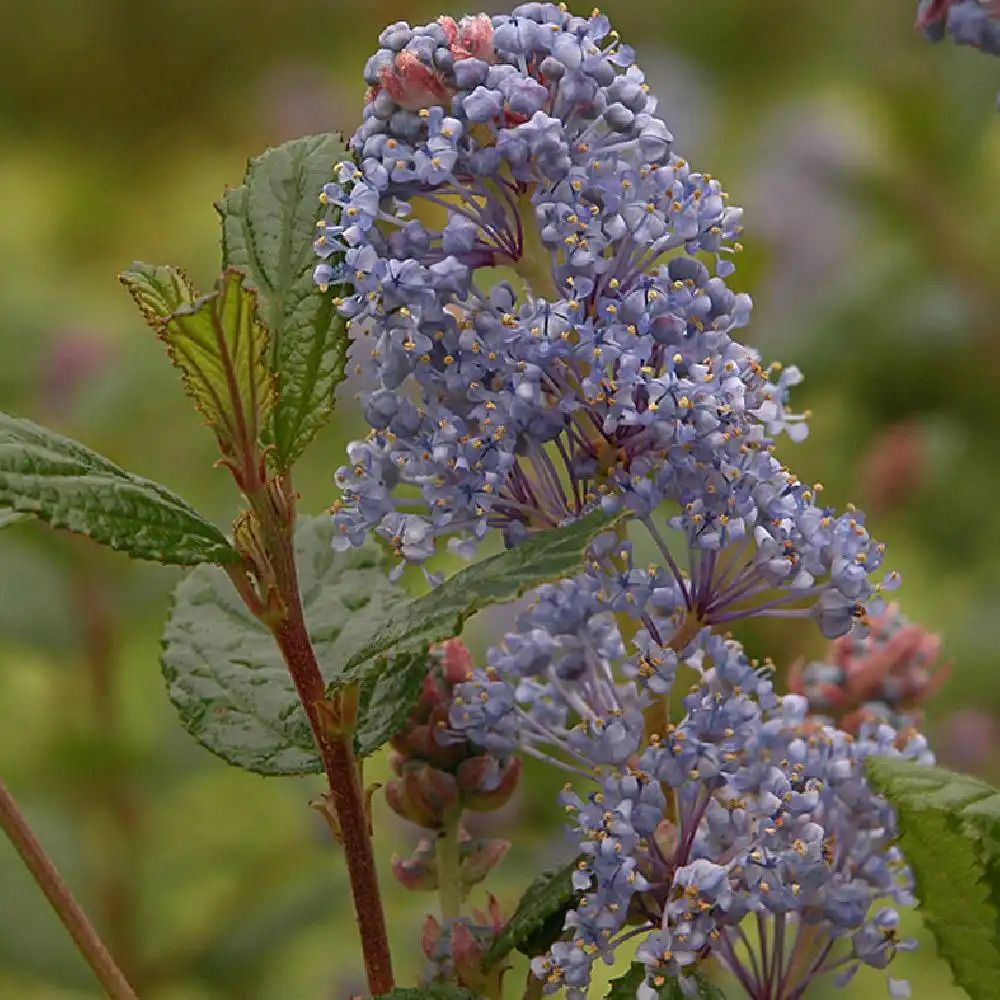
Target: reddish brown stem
<point x="277" y="576"/>
<point x="61" y="899"/>
<point x="348" y="800"/>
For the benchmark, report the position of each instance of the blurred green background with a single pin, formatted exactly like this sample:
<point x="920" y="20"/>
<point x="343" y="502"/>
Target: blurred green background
<point x="868" y="162"/>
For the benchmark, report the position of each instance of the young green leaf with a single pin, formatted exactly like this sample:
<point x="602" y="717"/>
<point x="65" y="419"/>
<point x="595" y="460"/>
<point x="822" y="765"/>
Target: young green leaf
<point x="66" y="484"/>
<point x="222" y="351"/>
<point x="538" y="920"/>
<point x="950" y="836"/>
<point x="388" y="695"/>
<point x="225" y="674"/>
<point x="439" y="615"/>
<point x="158" y="290"/>
<point x="268" y="230"/>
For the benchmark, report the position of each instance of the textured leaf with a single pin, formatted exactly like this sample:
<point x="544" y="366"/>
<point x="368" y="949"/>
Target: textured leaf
<point x="222" y="352"/>
<point x="268" y="230"/>
<point x="66" y="484"/>
<point x="625" y="986"/>
<point x="223" y="669"/>
<point x="387" y="697"/>
<point x="158" y="290"/>
<point x="538" y="920"/>
<point x="950" y="835"/>
<point x="439" y="615"/>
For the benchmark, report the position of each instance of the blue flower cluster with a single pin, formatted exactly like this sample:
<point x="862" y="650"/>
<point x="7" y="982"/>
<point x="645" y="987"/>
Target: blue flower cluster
<point x="537" y="287"/>
<point x="745" y="809"/>
<point x="521" y="253"/>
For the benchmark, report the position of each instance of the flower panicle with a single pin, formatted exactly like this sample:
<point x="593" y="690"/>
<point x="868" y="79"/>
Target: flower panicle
<point x="885" y="675"/>
<point x="747" y="807"/>
<point x="608" y="373"/>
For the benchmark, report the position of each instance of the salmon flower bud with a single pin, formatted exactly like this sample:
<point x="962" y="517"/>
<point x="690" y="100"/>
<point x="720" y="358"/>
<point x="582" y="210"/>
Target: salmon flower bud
<point x="418" y="872"/>
<point x="456" y="950"/>
<point x="423" y="795"/>
<point x="484" y="785"/>
<point x="470" y="38"/>
<point x="479" y="857"/>
<point x="438" y="771"/>
<point x="411" y="84"/>
<point x="884" y="676"/>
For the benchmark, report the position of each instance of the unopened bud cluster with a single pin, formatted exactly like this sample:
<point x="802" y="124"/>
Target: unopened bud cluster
<point x="883" y="676"/>
<point x="456" y="950"/>
<point x="439" y="774"/>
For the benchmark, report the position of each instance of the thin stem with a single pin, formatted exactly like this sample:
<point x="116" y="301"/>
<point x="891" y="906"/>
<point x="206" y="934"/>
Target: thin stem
<point x="348" y="800"/>
<point x="661" y="544"/>
<point x="533" y="987"/>
<point x="449" y="874"/>
<point x="73" y="918"/>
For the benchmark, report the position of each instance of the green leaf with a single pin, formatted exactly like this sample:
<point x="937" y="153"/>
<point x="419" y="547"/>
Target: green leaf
<point x="268" y="230"/>
<point x="950" y="836"/>
<point x="223" y="669"/>
<point x="625" y="986"/>
<point x="439" y="615"/>
<point x="66" y="484"/>
<point x="387" y="697"/>
<point x="538" y="920"/>
<point x="222" y="351"/>
<point x="158" y="290"/>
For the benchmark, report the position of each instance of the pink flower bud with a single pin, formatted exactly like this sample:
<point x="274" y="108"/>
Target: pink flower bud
<point x="418" y="872"/>
<point x="412" y="85"/>
<point x="472" y="37"/>
<point x="430" y="938"/>
<point x="887" y="674"/>
<point x="456" y="662"/>
<point x="479" y="858"/>
<point x="937" y="10"/>
<point x="467" y="954"/>
<point x="477" y="774"/>
<point x="423" y="795"/>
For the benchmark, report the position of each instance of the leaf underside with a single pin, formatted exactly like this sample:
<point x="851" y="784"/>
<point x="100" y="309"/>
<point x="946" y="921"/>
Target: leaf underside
<point x="225" y="674"/>
<point x="222" y="352"/>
